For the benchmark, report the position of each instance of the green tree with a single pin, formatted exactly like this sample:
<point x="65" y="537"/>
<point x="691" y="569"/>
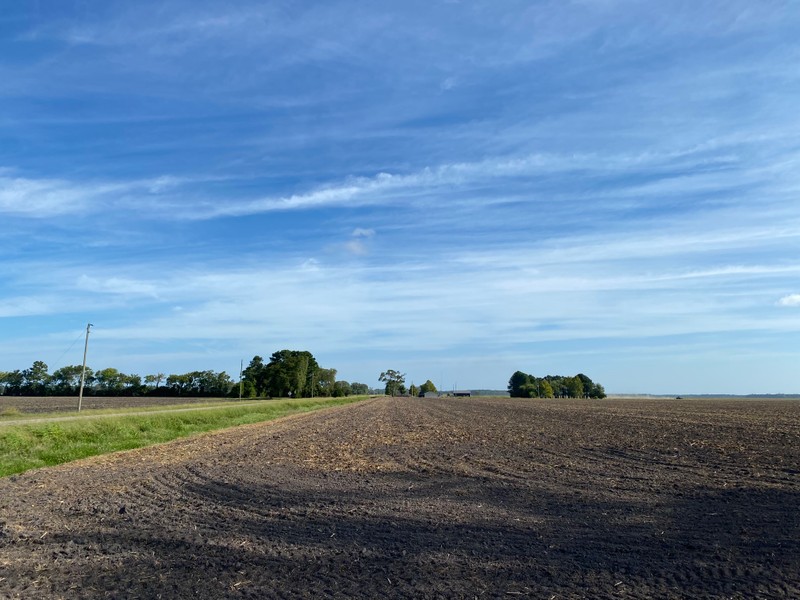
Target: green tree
<point x="523" y="385"/>
<point x="248" y="389"/>
<point x="559" y="385"/>
<point x="575" y="387"/>
<point x="325" y="382"/>
<point x="13" y="383"/>
<point x="342" y="388"/>
<point x="413" y="390"/>
<point x="36" y="379"/>
<point x="394" y="380"/>
<point x="359" y="389"/>
<point x="291" y="373"/>
<point x="587" y="383"/>
<point x="66" y="380"/>
<point x="154" y="381"/>
<point x="255" y="378"/>
<point x="206" y="383"/>
<point x="427" y="387"/>
<point x="133" y="385"/>
<point x="221" y="385"/>
<point x="517" y="383"/>
<point x="597" y="391"/>
<point x="178" y="384"/>
<point x="110" y="381"/>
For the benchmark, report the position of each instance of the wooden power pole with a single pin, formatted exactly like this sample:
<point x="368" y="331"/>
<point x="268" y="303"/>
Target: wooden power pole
<point x="83" y="370"/>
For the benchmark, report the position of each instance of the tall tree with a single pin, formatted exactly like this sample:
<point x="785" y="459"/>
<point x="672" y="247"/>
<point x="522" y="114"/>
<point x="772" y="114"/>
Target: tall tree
<point x="179" y="384"/>
<point x="13" y="383"/>
<point x="154" y="380"/>
<point x="133" y="385"/>
<point x="597" y="391"/>
<point x="291" y="373"/>
<point x="342" y="388"/>
<point x="255" y="378"/>
<point x="575" y="387"/>
<point x="517" y="383"/>
<point x="394" y="380"/>
<point x="587" y="383"/>
<point x="66" y="380"/>
<point x="110" y="381"/>
<point x="36" y="379"/>
<point x="427" y="387"/>
<point x="359" y="388"/>
<point x="324" y="382"/>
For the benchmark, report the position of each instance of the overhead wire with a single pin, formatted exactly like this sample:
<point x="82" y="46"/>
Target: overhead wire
<point x="63" y="354"/>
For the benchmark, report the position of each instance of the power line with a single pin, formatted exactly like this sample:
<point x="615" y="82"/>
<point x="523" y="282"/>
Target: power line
<point x="63" y="354"/>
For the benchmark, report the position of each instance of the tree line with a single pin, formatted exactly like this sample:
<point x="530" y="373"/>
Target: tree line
<point x="524" y="385"/>
<point x="289" y="373"/>
<point x="396" y="384"/>
<point x="294" y="374"/>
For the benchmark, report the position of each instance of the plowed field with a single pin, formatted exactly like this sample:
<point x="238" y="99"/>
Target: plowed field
<point x="41" y="404"/>
<point x="413" y="498"/>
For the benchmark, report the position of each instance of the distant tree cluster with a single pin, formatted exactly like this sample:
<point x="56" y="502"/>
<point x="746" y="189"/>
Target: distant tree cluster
<point x="37" y="381"/>
<point x="289" y="373"/>
<point x="427" y="387"/>
<point x="395" y="382"/>
<point x="396" y="385"/>
<point x="295" y="374"/>
<point x="523" y="385"/>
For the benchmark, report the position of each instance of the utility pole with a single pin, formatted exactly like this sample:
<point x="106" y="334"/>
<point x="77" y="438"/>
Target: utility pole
<point x="83" y="370"/>
<point x="241" y="383"/>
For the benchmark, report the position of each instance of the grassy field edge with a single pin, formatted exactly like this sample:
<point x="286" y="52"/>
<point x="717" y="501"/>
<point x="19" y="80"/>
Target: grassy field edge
<point x="33" y="445"/>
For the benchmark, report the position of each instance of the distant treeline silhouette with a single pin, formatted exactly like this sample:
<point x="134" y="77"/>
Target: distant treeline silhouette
<point x="289" y="373"/>
<point x="523" y="385"/>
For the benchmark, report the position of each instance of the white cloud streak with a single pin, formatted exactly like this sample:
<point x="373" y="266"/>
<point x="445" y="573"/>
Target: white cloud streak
<point x="174" y="197"/>
<point x="48" y="198"/>
<point x="790" y="300"/>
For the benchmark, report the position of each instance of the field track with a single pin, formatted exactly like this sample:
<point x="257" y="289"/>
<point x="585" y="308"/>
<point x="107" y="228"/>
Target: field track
<point x="52" y="404"/>
<point x="413" y="498"/>
<point x="33" y="420"/>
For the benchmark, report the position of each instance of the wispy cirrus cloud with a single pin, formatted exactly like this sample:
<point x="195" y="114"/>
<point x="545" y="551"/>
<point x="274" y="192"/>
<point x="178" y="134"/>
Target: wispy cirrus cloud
<point x="43" y="198"/>
<point x="48" y="197"/>
<point x="439" y="190"/>
<point x="118" y="285"/>
<point x="699" y="174"/>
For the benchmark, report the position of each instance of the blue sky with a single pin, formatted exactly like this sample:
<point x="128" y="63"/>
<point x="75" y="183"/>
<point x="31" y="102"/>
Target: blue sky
<point x="456" y="190"/>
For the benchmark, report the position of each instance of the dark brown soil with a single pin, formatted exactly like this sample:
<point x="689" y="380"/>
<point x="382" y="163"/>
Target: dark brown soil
<point x="412" y="498"/>
<point x="41" y="404"/>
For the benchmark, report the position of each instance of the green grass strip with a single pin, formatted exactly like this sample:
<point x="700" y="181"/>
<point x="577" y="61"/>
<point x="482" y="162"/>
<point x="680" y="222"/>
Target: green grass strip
<point x="30" y="446"/>
<point x="12" y="413"/>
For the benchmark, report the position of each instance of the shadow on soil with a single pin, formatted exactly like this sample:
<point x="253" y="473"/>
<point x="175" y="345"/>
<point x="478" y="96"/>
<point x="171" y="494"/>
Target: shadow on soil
<point x="406" y="535"/>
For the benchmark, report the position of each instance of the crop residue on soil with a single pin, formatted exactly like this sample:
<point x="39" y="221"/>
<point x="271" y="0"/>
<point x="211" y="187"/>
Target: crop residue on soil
<point x="406" y="497"/>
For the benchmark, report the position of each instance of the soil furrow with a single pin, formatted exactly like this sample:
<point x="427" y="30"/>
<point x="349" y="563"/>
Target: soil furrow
<point x="409" y="498"/>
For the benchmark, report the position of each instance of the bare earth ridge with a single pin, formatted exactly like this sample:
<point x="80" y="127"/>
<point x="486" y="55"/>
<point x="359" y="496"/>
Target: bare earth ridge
<point x="451" y="498"/>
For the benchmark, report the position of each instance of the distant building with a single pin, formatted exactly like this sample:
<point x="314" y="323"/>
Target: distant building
<point x="462" y="393"/>
<point x="429" y="395"/>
